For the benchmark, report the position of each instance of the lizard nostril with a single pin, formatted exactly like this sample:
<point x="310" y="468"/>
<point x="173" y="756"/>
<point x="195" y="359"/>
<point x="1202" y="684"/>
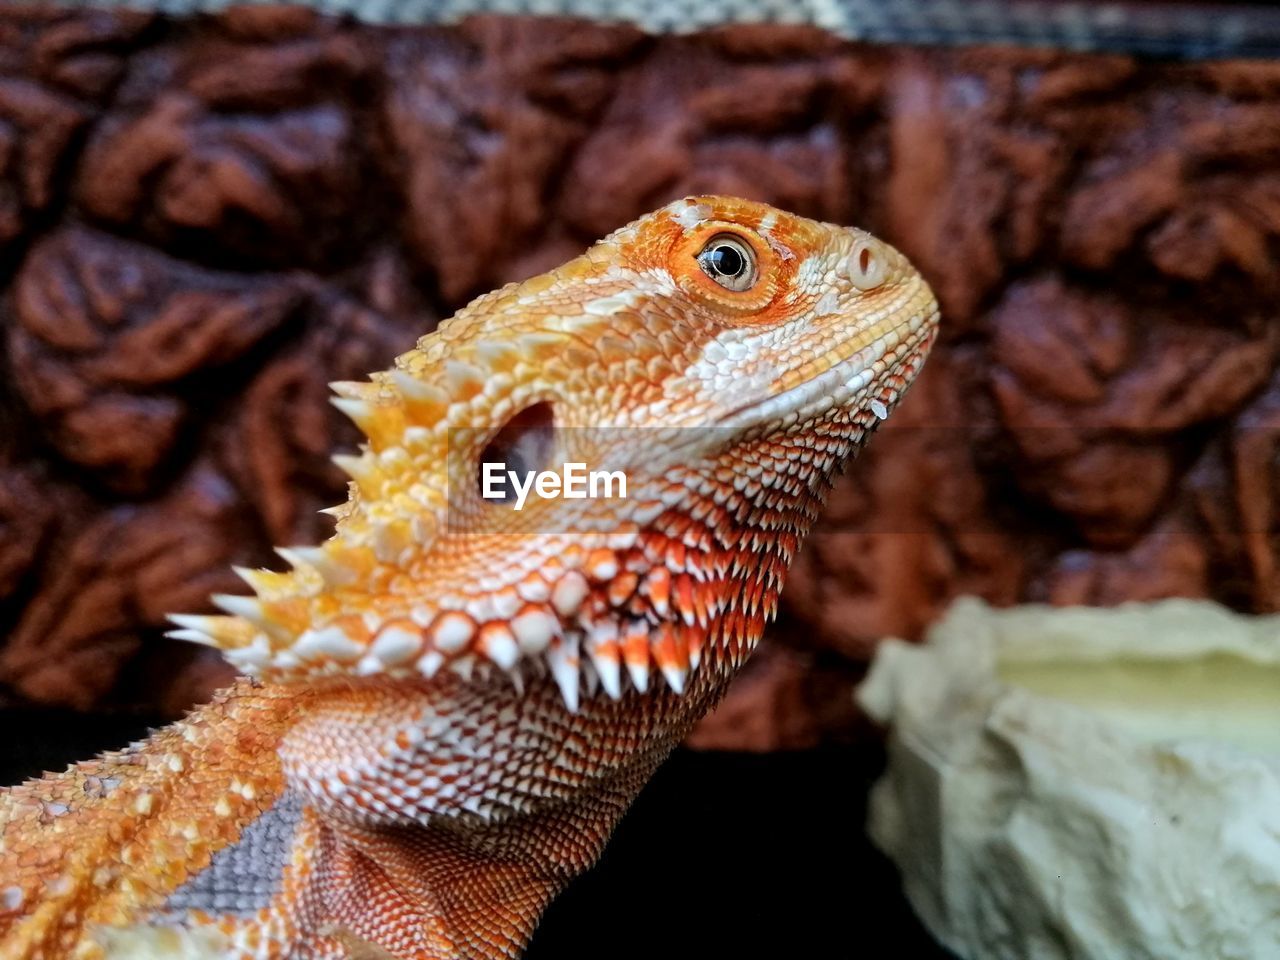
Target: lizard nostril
<point x="865" y="266"/>
<point x="523" y="446"/>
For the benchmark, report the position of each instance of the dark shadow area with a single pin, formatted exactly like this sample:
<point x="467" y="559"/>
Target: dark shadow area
<point x="742" y="856"/>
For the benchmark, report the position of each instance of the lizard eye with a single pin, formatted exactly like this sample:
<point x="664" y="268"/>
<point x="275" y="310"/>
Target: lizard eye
<point x="729" y="262"/>
<point x="523" y="446"/>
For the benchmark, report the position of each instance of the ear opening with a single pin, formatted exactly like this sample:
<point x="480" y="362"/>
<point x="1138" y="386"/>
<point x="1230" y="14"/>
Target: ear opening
<point x="522" y="447"/>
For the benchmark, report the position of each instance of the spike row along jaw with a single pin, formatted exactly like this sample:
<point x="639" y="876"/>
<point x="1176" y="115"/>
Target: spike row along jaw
<point x="579" y="607"/>
<point x="568" y="627"/>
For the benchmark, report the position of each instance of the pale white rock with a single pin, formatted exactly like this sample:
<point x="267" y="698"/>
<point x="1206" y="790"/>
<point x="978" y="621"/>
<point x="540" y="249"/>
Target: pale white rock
<point x="1086" y="784"/>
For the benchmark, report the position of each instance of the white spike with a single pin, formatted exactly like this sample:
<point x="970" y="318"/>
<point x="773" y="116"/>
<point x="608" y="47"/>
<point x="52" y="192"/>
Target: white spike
<point x="534" y="630"/>
<point x="327" y="642"/>
<point x="354" y="389"/>
<point x="452" y="631"/>
<point x="249" y="608"/>
<point x="429" y="663"/>
<point x="251" y="658"/>
<point x="499" y="645"/>
<point x="199" y="622"/>
<point x="300" y="558"/>
<point x="193" y="636"/>
<point x="879" y="409"/>
<point x="590" y="679"/>
<point x="565" y="664"/>
<point x="331" y="570"/>
<point x="360" y="412"/>
<point x="396" y="645"/>
<point x="262" y="582"/>
<point x="676" y="676"/>
<point x="610" y="673"/>
<point x="357" y="468"/>
<point x="607" y="666"/>
<point x="639" y="672"/>
<point x="418" y="391"/>
<point x="462" y="375"/>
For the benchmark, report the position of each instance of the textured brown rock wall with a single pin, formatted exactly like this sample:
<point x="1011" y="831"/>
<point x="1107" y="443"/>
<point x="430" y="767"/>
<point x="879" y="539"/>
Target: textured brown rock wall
<point x="203" y="222"/>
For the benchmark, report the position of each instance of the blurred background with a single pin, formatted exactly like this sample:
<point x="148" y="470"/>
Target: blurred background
<point x="206" y="218"/>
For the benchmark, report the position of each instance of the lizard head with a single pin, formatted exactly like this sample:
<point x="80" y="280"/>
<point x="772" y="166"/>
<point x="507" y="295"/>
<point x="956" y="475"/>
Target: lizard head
<point x="723" y="358"/>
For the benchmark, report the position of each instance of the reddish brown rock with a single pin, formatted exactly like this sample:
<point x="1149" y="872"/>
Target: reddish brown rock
<point x="202" y="224"/>
<point x="108" y="342"/>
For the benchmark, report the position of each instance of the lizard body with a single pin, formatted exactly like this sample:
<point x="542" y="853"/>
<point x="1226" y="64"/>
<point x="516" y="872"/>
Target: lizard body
<point x="454" y="700"/>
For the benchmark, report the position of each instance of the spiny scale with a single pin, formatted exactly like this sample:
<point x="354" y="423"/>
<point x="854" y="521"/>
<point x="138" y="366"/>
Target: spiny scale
<point x="256" y="641"/>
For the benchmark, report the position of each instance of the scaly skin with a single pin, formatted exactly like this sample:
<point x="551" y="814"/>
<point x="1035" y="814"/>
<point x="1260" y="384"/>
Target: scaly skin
<point x="453" y="701"/>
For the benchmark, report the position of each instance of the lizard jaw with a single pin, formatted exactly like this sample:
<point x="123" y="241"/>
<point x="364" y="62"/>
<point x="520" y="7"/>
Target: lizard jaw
<point x="846" y="381"/>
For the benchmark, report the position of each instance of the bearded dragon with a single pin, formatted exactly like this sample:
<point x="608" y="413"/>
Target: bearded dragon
<point x="449" y="704"/>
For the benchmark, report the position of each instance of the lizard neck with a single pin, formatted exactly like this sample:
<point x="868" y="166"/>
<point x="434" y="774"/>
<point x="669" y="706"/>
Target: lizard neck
<point x="757" y="523"/>
<point x="158" y="809"/>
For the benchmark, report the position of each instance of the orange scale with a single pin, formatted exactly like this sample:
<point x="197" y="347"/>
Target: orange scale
<point x="658" y="587"/>
<point x="635" y="645"/>
<point x="602" y="565"/>
<point x="667" y="650"/>
<point x="622" y="587"/>
<point x="682" y="593"/>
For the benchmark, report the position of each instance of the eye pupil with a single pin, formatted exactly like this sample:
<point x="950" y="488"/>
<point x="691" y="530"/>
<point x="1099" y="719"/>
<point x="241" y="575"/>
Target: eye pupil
<point x="730" y="262"/>
<point x="726" y="261"/>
